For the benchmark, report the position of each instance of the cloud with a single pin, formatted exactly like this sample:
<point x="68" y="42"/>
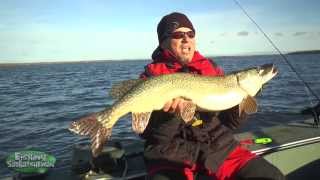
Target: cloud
<point x="300" y="33"/>
<point x="224" y="34"/>
<point x="219" y="22"/>
<point x="243" y="33"/>
<point x="278" y="34"/>
<point x="70" y="45"/>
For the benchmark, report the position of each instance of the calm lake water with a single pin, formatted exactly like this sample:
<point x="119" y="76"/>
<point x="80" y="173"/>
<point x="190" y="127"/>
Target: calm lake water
<point x="38" y="101"/>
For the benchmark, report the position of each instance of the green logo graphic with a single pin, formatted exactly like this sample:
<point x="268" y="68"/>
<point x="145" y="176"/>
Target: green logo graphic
<point x="30" y="161"/>
<point x="263" y="140"/>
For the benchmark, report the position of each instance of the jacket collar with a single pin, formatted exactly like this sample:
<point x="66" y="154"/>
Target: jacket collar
<point x="165" y="56"/>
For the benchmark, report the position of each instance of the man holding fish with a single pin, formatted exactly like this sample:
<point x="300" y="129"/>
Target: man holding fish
<point x="186" y="109"/>
<point x="178" y="150"/>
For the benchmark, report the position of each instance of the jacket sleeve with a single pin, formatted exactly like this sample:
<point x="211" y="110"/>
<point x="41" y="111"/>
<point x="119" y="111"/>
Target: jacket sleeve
<point x="231" y="118"/>
<point x="167" y="140"/>
<point x="162" y="126"/>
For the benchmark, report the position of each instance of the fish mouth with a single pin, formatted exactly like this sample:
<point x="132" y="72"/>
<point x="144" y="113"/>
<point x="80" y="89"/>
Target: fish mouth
<point x="275" y="70"/>
<point x="267" y="72"/>
<point x="267" y="69"/>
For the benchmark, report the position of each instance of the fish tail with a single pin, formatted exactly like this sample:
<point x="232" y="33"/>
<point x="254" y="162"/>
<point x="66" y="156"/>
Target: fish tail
<point x="90" y="126"/>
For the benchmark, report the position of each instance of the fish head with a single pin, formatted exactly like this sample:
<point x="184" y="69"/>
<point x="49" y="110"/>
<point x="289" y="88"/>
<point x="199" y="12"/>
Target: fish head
<point x="251" y="80"/>
<point x="267" y="72"/>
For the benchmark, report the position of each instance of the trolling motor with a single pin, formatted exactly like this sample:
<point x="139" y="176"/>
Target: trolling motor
<point x="315" y="111"/>
<point x="110" y="163"/>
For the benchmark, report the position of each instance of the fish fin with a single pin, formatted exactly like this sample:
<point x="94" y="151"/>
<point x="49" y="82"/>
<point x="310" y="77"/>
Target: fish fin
<point x="121" y="88"/>
<point x="98" y="140"/>
<point x="248" y="105"/>
<point x="187" y="112"/>
<point x="140" y="121"/>
<point x="90" y="126"/>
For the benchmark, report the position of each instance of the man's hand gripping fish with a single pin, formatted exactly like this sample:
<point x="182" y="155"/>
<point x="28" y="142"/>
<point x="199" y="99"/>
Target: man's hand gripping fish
<point x="141" y="97"/>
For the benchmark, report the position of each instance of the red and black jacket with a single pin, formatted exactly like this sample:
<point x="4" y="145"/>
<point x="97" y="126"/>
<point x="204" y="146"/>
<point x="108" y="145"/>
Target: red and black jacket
<point x="166" y="63"/>
<point x="169" y="140"/>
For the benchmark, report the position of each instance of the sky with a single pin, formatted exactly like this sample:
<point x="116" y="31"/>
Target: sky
<point x="76" y="30"/>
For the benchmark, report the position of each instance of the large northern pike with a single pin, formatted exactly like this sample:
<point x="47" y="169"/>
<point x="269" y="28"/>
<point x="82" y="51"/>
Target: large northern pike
<point x="141" y="97"/>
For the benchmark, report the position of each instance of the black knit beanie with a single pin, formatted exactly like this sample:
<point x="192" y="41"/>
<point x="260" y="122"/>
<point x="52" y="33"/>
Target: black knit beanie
<point x="171" y="22"/>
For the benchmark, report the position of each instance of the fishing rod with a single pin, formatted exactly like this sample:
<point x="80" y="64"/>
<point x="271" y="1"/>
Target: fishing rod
<point x="307" y="87"/>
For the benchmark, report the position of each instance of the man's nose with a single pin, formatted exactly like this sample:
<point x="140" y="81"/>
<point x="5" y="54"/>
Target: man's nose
<point x="185" y="38"/>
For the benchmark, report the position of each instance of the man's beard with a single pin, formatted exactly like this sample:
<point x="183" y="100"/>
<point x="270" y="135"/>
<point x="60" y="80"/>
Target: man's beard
<point x="184" y="59"/>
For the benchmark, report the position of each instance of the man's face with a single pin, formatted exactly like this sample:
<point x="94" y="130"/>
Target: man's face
<point x="182" y="46"/>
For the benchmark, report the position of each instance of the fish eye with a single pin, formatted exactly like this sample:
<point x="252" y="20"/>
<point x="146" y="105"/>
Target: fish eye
<point x="258" y="69"/>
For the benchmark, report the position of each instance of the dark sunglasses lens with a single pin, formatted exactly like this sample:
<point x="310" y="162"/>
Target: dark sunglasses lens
<point x="180" y="35"/>
<point x="177" y="35"/>
<point x="190" y="34"/>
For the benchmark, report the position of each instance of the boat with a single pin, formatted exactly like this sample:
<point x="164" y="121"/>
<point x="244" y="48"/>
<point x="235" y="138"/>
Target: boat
<point x="294" y="149"/>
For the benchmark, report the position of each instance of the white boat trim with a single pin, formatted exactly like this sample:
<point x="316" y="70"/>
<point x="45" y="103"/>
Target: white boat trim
<point x="287" y="146"/>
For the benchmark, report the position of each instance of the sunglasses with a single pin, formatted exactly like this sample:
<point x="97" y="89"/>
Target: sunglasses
<point x="180" y="35"/>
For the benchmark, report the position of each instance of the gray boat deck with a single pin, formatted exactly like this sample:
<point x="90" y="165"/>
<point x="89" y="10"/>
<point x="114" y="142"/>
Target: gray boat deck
<point x="281" y="128"/>
<point x="298" y="162"/>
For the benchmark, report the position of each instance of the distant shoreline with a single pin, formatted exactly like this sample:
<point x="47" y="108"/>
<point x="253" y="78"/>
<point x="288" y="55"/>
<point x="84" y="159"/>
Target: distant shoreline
<point x="104" y="61"/>
<point x="305" y="52"/>
<point x="61" y="62"/>
<point x="119" y="61"/>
